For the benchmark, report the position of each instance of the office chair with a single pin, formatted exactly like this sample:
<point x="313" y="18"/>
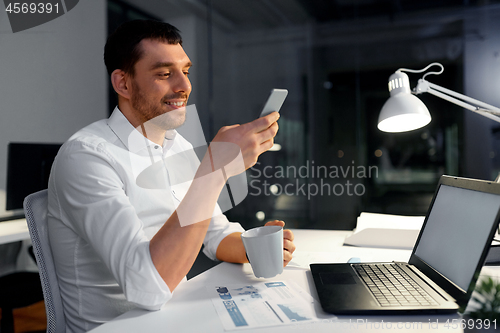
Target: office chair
<point x="17" y="290"/>
<point x="35" y="208"/>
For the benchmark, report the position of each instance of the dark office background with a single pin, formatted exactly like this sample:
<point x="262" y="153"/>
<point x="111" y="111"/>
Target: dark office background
<point x="334" y="57"/>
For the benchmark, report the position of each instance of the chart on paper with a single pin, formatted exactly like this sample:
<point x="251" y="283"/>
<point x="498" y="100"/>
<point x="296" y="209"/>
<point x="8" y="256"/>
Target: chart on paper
<point x="262" y="305"/>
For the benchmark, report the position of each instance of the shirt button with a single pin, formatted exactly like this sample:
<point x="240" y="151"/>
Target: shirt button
<point x="156" y="147"/>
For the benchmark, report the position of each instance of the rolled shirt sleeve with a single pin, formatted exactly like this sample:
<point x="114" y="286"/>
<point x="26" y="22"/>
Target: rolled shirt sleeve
<point x="220" y="227"/>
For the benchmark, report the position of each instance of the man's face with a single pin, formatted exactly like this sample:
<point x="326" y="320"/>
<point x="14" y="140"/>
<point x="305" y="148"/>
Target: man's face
<point x="160" y="87"/>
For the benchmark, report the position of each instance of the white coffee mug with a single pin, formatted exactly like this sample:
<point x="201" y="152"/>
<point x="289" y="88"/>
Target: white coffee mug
<point x="264" y="247"/>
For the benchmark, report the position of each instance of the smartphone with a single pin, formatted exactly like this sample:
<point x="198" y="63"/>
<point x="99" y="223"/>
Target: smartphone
<point x="274" y="102"/>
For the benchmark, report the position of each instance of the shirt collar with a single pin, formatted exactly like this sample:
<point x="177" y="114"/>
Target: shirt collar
<point x="130" y="137"/>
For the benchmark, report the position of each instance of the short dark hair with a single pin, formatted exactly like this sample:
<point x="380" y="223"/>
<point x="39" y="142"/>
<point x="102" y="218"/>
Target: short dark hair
<point x="122" y="49"/>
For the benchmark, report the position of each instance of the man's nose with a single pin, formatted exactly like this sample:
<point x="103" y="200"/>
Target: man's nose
<point x="182" y="83"/>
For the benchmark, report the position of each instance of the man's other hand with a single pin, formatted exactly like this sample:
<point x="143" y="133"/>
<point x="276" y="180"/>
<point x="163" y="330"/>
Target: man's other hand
<point x="288" y="245"/>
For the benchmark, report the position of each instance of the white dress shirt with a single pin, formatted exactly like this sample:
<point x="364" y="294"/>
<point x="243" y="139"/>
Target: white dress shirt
<point x="102" y="215"/>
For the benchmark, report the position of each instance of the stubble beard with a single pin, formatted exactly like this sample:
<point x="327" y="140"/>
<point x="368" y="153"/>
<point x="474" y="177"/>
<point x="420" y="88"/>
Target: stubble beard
<point x="156" y="114"/>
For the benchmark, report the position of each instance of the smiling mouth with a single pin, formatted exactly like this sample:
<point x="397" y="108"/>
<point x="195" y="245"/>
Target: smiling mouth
<point x="177" y="104"/>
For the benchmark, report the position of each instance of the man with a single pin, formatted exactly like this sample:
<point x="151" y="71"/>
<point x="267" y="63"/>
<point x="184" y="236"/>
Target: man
<point x="117" y="244"/>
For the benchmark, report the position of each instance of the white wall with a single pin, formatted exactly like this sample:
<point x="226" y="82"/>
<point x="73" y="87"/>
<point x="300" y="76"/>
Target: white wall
<point x="52" y="78"/>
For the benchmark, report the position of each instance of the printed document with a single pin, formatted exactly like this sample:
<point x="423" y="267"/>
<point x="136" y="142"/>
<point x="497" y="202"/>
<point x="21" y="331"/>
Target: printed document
<point x="262" y="305"/>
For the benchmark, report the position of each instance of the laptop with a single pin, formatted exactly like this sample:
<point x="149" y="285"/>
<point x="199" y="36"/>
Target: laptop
<point x="444" y="265"/>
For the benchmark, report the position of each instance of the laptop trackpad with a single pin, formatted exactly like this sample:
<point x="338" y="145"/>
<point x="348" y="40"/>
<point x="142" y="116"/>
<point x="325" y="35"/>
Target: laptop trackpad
<point x="336" y="278"/>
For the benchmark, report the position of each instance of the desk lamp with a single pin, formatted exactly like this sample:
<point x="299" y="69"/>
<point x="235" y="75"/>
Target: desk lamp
<point x="404" y="112"/>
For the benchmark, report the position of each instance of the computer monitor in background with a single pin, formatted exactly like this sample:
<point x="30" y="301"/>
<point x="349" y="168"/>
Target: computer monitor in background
<point x="28" y="170"/>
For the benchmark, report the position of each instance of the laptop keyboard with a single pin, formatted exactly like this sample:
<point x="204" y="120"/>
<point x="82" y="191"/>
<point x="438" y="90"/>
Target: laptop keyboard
<point x="391" y="286"/>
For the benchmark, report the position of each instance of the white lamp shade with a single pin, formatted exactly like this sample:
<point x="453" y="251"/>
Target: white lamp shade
<point x="403" y="112"/>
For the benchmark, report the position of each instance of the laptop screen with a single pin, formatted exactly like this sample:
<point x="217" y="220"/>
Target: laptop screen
<point x="458" y="225"/>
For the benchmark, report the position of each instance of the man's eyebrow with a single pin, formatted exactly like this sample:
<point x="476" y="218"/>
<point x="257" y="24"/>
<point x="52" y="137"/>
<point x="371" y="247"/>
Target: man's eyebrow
<point x="161" y="64"/>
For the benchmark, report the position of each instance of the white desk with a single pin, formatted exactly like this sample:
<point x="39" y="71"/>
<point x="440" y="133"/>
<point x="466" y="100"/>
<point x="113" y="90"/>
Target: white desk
<point x="13" y="231"/>
<point x="191" y="310"/>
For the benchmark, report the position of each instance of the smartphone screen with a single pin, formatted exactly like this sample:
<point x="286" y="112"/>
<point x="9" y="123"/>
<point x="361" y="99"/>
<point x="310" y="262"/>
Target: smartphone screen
<point x="274" y="102"/>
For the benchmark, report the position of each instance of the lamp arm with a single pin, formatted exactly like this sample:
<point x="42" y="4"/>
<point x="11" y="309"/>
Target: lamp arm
<point x="486" y="110"/>
<point x="483" y="112"/>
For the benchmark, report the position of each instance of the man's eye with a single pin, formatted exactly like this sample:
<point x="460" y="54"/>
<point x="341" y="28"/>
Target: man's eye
<point x="165" y="74"/>
<point x="186" y="73"/>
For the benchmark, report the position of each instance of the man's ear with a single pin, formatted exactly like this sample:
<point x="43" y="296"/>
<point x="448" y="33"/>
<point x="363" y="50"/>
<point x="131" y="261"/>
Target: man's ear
<point x="119" y="82"/>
